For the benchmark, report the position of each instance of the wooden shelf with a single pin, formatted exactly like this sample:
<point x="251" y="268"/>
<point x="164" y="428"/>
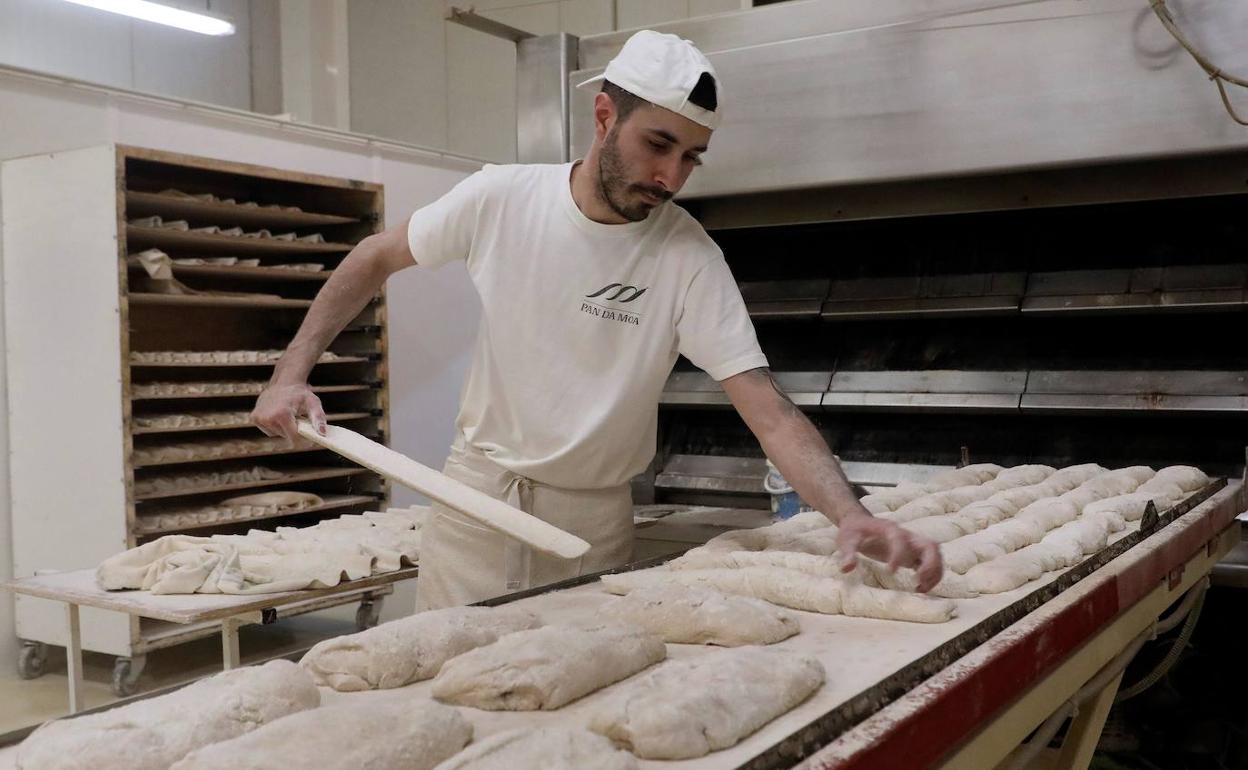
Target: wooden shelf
<point x="281" y="450"/>
<point x="250" y="273"/>
<point x="337" y="417"/>
<point x="201" y="300"/>
<point x="253" y="394"/>
<point x="142" y="204"/>
<point x="314" y="474"/>
<point x="218" y="364"/>
<point x="332" y="503"/>
<point x="138" y="238"/>
<point x="248" y="311"/>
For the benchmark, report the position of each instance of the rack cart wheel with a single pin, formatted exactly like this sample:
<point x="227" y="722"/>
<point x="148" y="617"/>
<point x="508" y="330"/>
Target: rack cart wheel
<point x="126" y="673"/>
<point x="32" y="659"/>
<point x="368" y="613"/>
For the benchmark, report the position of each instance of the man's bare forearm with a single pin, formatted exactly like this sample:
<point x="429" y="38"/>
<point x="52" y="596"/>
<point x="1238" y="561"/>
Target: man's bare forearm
<point x="797" y="448"/>
<point x="344" y="295"/>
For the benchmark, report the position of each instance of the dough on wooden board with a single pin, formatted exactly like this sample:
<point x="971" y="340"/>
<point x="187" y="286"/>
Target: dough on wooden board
<point x="542" y="748"/>
<point x="545" y="668"/>
<point x="892" y="499"/>
<point x="688" y="708"/>
<point x="694" y="615"/>
<point x="152" y="734"/>
<point x="1024" y="475"/>
<point x="980" y="473"/>
<point x="874" y="573"/>
<point x="409" y="649"/>
<point x="761" y="538"/>
<point x="797" y="590"/>
<point x="382" y="733"/>
<point x="1187" y="478"/>
<point x="1070" y="477"/>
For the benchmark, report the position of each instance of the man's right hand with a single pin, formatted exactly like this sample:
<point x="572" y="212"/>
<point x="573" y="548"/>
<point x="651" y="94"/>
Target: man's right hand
<point x="280" y="405"/>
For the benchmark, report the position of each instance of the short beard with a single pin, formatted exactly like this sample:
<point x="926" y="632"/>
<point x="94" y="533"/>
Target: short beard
<point x="613" y="185"/>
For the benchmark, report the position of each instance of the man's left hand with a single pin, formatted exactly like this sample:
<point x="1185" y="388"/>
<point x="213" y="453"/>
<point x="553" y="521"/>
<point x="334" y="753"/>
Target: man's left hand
<point x="887" y="542"/>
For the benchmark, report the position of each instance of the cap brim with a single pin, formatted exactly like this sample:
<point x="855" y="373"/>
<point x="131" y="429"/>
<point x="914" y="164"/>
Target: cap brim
<point x="595" y="79"/>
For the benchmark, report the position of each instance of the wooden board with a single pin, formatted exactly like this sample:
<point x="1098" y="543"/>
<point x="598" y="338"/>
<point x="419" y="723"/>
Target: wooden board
<point x="332" y="503"/>
<point x="250" y="273"/>
<point x="312" y="474"/>
<point x="206" y="300"/>
<point x="453" y="494"/>
<point x="315" y="389"/>
<point x="215" y="364"/>
<point x="80" y="588"/>
<point x="333" y="417"/>
<point x="141" y="204"/>
<point x="139" y="238"/>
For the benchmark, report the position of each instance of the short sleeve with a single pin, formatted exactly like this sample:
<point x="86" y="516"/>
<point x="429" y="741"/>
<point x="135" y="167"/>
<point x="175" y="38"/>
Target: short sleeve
<point x="443" y="231"/>
<point x="714" y="330"/>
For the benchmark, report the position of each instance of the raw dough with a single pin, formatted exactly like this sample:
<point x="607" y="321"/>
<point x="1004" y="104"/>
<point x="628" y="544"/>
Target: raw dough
<point x="1024" y="475"/>
<point x="192" y="420"/>
<point x="214" y="356"/>
<point x="546" y="667"/>
<point x="214" y="449"/>
<point x="689" y="708"/>
<point x="207" y="388"/>
<point x="800" y="591"/>
<point x="1187" y="478"/>
<point x="230" y="510"/>
<point x="410" y="649"/>
<point x="693" y="615"/>
<point x="190" y="481"/>
<point x="1067" y="479"/>
<point x="542" y="748"/>
<point x="374" y="734"/>
<point x="761" y="538"/>
<point x="152" y="734"/>
<point x="289" y="559"/>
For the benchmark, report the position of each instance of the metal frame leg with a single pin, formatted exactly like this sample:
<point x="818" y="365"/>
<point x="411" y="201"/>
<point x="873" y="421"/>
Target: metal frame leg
<point x="1085" y="729"/>
<point x="229" y="637"/>
<point x="73" y="658"/>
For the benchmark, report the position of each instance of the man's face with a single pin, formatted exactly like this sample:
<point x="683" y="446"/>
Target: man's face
<point x="646" y="159"/>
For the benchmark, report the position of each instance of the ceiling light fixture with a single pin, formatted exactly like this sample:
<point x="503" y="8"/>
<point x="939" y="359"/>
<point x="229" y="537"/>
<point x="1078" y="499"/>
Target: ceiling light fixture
<point x="163" y="14"/>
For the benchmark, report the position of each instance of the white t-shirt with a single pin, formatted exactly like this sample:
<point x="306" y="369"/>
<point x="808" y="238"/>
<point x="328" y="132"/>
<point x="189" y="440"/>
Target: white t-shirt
<point x="581" y="321"/>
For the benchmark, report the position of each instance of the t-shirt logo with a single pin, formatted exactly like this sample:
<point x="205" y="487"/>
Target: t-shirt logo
<point x="618" y="292"/>
<point x="614" y="292"/>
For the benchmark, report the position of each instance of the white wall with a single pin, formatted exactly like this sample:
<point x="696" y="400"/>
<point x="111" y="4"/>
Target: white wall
<point x="72" y="40"/>
<point x="429" y="356"/>
<point x="419" y="78"/>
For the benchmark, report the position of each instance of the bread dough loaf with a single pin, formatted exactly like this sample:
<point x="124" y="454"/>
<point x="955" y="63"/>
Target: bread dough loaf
<point x="1187" y="478"/>
<point x="789" y="588"/>
<point x="384" y="733"/>
<point x="152" y="734"/>
<point x="1024" y="475"/>
<point x="409" y="649"/>
<point x="693" y="615"/>
<point x="546" y="667"/>
<point x="892" y="499"/>
<point x="542" y="748"/>
<point x="763" y="537"/>
<point x="689" y="708"/>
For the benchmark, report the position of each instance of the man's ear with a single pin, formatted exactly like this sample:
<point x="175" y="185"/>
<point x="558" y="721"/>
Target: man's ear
<point x="604" y="115"/>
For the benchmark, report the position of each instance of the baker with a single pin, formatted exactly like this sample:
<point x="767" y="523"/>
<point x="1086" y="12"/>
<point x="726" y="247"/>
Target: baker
<point x="592" y="283"/>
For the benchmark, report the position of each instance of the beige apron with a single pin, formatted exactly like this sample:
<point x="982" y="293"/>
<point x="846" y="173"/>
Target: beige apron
<point x="462" y="562"/>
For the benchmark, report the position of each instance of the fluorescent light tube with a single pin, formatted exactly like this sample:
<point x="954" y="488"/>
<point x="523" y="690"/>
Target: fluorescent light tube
<point x="163" y="14"/>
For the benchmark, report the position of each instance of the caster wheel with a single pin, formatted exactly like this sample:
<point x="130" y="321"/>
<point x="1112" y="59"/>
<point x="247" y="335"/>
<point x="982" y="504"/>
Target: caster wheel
<point x="367" y="615"/>
<point x="126" y="673"/>
<point x="32" y="660"/>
